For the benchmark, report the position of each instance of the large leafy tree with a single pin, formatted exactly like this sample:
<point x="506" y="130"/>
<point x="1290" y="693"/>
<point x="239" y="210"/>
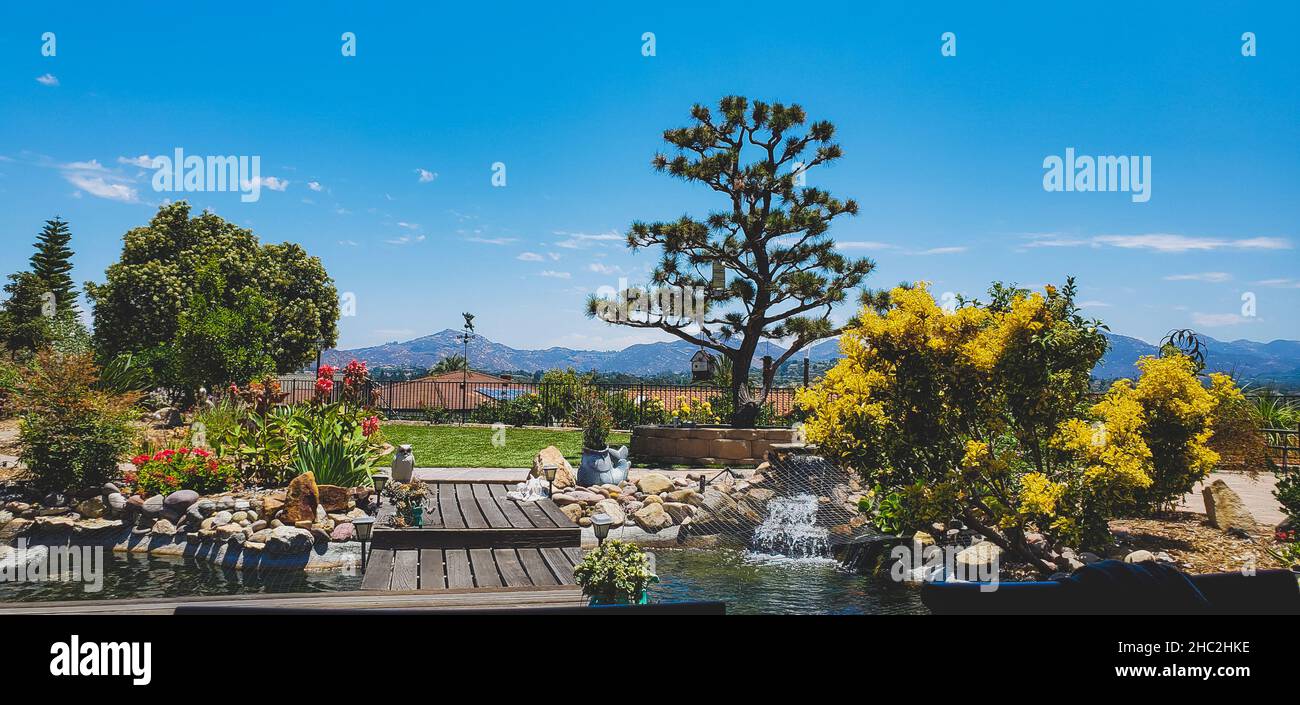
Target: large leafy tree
<point x="184" y="285"/>
<point x="784" y="275"/>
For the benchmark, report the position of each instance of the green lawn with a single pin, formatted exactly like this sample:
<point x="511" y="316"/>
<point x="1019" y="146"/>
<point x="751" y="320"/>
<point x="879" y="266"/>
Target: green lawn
<point x="471" y="446"/>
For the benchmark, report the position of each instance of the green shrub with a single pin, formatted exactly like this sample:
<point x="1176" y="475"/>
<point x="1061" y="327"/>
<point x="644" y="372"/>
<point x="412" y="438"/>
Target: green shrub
<point x="615" y="571"/>
<point x="169" y="470"/>
<point x="72" y="434"/>
<point x="594" y="418"/>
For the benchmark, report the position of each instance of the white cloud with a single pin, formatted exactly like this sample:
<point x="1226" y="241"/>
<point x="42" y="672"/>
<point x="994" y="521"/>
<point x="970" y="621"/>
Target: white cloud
<point x="405" y="240"/>
<point x="144" y="161"/>
<point x="575" y="241"/>
<point x="530" y="257"/>
<point x="408" y="226"/>
<point x="349" y="243"/>
<point x="1284" y="283"/>
<point x="426" y="176"/>
<point x="314" y="185"/>
<point x="271" y="182"/>
<point x="1160" y="242"/>
<point x="605" y="268"/>
<point x="554" y="274"/>
<point x="1218" y="320"/>
<point x="1209" y="277"/>
<point x="940" y="251"/>
<point x="492" y="240"/>
<point x="47" y="80"/>
<point x="91" y="177"/>
<point x="1093" y="304"/>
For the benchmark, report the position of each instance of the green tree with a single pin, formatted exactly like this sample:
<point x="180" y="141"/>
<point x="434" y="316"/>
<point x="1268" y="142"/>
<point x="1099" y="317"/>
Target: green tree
<point x="179" y="278"/>
<point x="23" y="325"/>
<point x="770" y="236"/>
<point x="454" y="362"/>
<point x="52" y="263"/>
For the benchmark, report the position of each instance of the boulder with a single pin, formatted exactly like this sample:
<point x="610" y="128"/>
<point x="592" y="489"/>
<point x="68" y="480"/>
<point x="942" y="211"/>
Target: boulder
<point x="1225" y="509"/>
<point x="679" y="511"/>
<point x="301" y="500"/>
<point x="96" y="526"/>
<point x="564" y="474"/>
<point x="653" y="499"/>
<point x="683" y="495"/>
<point x="15" y="528"/>
<point x="180" y="500"/>
<point x="167" y="417"/>
<point x="573" y="511"/>
<point x="652" y="518"/>
<point x="116" y="503"/>
<point x="92" y="508"/>
<point x="1140" y="556"/>
<point x="979" y="556"/>
<point x="226" y="532"/>
<point x="343" y="532"/>
<point x="153" y="506"/>
<point x="334" y="498"/>
<point x="162" y="527"/>
<point x="289" y="539"/>
<point x="654" y="483"/>
<point x="612" y="508"/>
<point x="271" y="505"/>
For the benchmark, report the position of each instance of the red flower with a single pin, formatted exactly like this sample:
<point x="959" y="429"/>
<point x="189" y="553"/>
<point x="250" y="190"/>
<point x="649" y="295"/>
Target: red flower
<point x="370" y="425"/>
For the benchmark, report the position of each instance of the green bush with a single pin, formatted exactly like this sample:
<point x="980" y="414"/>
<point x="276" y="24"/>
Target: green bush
<point x="72" y="434"/>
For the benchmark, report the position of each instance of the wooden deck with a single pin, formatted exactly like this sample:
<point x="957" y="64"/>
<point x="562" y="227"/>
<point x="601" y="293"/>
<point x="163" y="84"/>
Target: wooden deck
<point x="474" y="537"/>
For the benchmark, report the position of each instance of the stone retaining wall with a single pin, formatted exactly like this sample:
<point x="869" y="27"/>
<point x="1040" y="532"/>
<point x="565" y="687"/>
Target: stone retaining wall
<point x="705" y="445"/>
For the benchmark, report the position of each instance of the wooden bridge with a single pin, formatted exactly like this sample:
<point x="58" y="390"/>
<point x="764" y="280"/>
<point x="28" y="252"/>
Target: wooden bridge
<point x="474" y="537"/>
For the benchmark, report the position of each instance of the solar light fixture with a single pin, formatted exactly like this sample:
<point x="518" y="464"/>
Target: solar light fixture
<point x="600" y="524"/>
<point x="364" y="526"/>
<point x="549" y="471"/>
<point x="379" y="479"/>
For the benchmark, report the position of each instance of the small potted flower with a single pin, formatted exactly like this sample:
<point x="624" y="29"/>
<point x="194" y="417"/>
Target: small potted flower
<point x="615" y="573"/>
<point x="408" y="499"/>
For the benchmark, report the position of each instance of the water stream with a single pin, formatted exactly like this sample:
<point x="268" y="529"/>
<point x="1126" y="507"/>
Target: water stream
<point x="790" y="529"/>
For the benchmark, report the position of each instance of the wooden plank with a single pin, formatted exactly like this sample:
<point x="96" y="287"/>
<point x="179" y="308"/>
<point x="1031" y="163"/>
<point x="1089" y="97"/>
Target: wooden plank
<point x="379" y="570"/>
<point x="474" y="518"/>
<point x="536" y="566"/>
<point x="406" y="570"/>
<point x="512" y="571"/>
<point x="476" y="538"/>
<point x="451" y="517"/>
<point x="432" y="512"/>
<point x="495" y="517"/>
<point x="574" y="554"/>
<point x="432" y="575"/>
<point x="459" y="574"/>
<point x="509" y="507"/>
<point x="560" y="518"/>
<point x="535" y="515"/>
<point x="485" y="568"/>
<point x="559" y="564"/>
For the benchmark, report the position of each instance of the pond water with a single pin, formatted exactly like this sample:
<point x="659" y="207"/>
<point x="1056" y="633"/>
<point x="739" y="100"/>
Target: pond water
<point x="753" y="583"/>
<point x="749" y="583"/>
<point x="132" y="575"/>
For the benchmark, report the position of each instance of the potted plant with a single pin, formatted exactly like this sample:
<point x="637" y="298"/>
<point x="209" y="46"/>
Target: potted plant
<point x="408" y="499"/>
<point x="615" y="573"/>
<point x="601" y="464"/>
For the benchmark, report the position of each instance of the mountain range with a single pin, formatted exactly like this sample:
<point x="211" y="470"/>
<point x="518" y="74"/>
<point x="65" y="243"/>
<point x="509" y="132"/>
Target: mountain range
<point x="1276" y="362"/>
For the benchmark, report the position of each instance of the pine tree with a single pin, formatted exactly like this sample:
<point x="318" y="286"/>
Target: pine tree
<point x="52" y="263"/>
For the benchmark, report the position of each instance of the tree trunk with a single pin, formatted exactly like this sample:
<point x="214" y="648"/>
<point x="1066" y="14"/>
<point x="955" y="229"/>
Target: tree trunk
<point x="744" y="408"/>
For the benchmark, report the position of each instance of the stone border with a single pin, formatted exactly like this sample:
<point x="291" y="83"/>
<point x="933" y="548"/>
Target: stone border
<point x="705" y="445"/>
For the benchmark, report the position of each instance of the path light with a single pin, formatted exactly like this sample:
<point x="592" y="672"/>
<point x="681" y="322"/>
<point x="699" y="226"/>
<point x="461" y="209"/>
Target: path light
<point x="549" y="471"/>
<point x="379" y="479"/>
<point x="364" y="526"/>
<point x="600" y="524"/>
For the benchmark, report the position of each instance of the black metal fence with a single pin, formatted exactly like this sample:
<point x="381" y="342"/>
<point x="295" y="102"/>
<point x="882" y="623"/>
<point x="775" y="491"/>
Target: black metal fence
<point x="520" y="403"/>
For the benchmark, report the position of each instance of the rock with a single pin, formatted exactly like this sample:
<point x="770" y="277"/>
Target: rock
<point x="320" y="535"/>
<point x="679" y="511"/>
<point x="15" y="528"/>
<point x="584" y="521"/>
<point x="1225" y="509"/>
<point x="254" y="546"/>
<point x="612" y="508"/>
<point x="167" y="417"/>
<point x="302" y="499"/>
<point x="654" y="483"/>
<point x="343" y="531"/>
<point x="304" y="524"/>
<point x="653" y="499"/>
<point x="162" y="527"/>
<point x="222" y="517"/>
<point x="261" y="536"/>
<point x="153" y="506"/>
<point x="334" y="498"/>
<point x="1140" y="556"/>
<point x="180" y="500"/>
<point x="271" y="505"/>
<point x="652" y="518"/>
<point x="980" y="556"/>
<point x="116" y="503"/>
<point x="1088" y="558"/>
<point x="760" y="494"/>
<point x="96" y="526"/>
<point x="289" y="539"/>
<point x="92" y="508"/>
<point x="923" y="538"/>
<point x="565" y="500"/>
<point x="683" y="495"/>
<point x="53" y="523"/>
<point x="564" y="474"/>
<point x="226" y="504"/>
<point x="238" y="517"/>
<point x="227" y="531"/>
<point x="5" y="517"/>
<point x="718" y="504"/>
<point x="573" y="511"/>
<point x="585" y="496"/>
<point x="243" y="505"/>
<point x="108" y="488"/>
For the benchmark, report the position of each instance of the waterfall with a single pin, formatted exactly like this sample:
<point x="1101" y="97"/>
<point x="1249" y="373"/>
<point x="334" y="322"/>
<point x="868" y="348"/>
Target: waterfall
<point x="790" y="528"/>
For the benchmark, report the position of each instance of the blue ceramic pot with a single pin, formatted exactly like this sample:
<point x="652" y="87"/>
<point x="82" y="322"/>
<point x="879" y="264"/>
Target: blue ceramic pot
<point x="603" y="467"/>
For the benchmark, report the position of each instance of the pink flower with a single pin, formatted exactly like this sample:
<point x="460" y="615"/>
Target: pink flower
<point x="370" y="425"/>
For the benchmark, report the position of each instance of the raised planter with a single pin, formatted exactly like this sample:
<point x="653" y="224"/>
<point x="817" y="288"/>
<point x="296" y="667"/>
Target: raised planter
<point x="705" y="445"/>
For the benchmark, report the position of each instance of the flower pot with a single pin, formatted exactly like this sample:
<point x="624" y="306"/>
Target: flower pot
<point x="417" y="515"/>
<point x="598" y="601"/>
<point x="602" y="467"/>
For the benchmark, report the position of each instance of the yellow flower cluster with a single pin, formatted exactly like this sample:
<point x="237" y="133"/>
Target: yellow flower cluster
<point x="1111" y="447"/>
<point x="700" y="413"/>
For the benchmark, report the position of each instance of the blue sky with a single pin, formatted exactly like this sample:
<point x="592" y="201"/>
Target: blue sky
<point x="944" y="154"/>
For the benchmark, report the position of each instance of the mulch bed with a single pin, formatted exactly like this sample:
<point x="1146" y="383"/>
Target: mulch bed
<point x="1195" y="546"/>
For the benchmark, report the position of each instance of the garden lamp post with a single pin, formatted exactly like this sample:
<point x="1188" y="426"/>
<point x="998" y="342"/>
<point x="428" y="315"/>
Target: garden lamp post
<point x="549" y="471"/>
<point x="600" y="524"/>
<point x="364" y="527"/>
<point x="379" y="479"/>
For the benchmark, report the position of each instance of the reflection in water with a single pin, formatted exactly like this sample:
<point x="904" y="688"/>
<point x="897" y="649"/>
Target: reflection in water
<point x="132" y="575"/>
<point x="770" y="584"/>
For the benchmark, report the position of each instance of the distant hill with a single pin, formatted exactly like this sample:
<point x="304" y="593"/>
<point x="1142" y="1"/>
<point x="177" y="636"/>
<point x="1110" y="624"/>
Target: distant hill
<point x="1277" y="362"/>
